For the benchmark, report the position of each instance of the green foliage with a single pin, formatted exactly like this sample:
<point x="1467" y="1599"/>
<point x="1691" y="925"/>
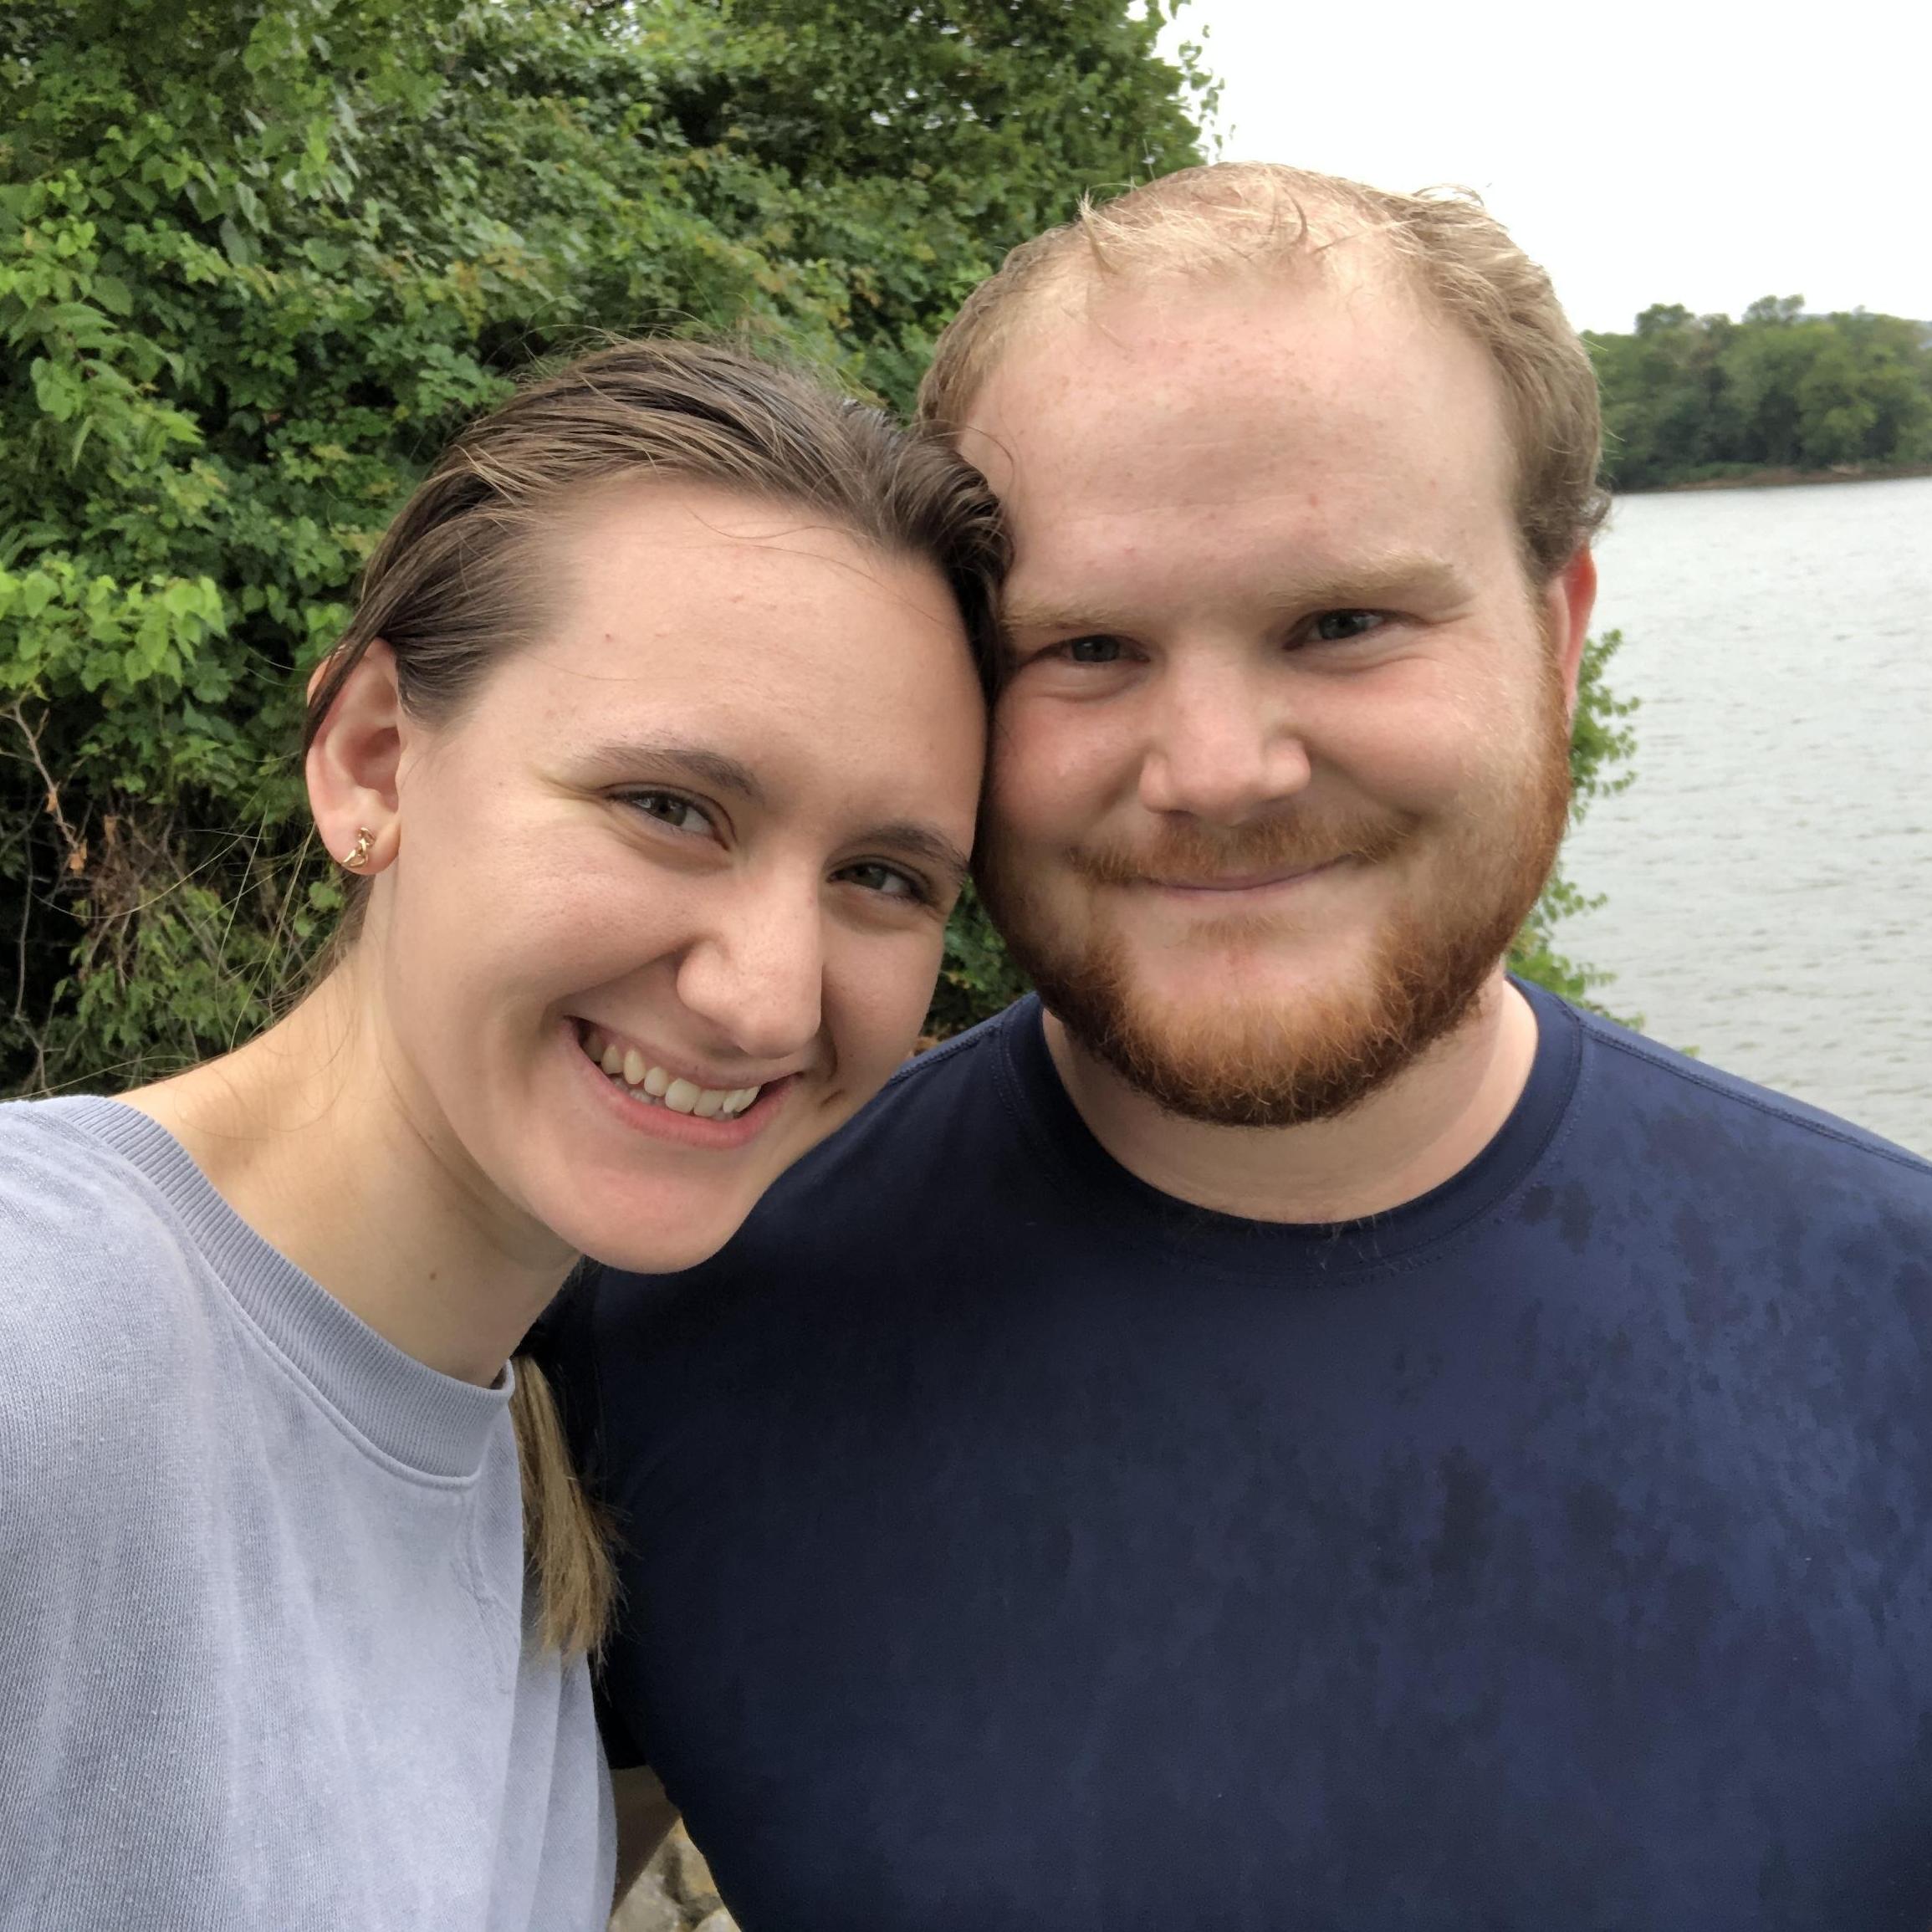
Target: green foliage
<point x="1601" y="741"/>
<point x="978" y="978"/>
<point x="259" y="257"/>
<point x="1689" y="397"/>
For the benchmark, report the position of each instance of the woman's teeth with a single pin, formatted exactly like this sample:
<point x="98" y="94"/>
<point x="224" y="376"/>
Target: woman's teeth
<point x="656" y="1087"/>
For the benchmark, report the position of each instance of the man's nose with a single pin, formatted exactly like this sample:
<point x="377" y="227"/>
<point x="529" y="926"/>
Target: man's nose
<point x="757" y="975"/>
<point x="1222" y="743"/>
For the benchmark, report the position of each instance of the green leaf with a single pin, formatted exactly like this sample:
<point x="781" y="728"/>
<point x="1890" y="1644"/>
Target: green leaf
<point x="331" y="258"/>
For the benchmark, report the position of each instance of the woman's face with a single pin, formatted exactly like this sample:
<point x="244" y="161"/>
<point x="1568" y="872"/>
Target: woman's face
<point x="669" y="889"/>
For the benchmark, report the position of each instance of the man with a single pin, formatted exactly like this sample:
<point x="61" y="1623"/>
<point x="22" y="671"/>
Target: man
<point x="1291" y="1429"/>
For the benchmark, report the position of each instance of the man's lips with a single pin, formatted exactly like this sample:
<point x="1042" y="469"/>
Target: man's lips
<point x="1208" y="885"/>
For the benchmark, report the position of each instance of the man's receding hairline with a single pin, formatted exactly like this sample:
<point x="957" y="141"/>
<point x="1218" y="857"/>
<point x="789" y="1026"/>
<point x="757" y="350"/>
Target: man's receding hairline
<point x="1078" y="273"/>
<point x="1461" y="265"/>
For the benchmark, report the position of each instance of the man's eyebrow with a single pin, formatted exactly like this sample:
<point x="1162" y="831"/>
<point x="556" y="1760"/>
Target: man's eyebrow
<point x="1391" y="574"/>
<point x="1018" y="615"/>
<point x="1360" y="580"/>
<point x="917" y="841"/>
<point x="679" y="757"/>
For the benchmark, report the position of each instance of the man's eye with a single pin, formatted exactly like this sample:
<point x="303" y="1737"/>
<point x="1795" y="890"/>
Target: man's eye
<point x="1093" y="649"/>
<point x="1337" y="626"/>
<point x="671" y="809"/>
<point x="873" y="876"/>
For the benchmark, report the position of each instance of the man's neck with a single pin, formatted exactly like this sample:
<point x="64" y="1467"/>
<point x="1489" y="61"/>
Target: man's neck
<point x="308" y="1136"/>
<point x="1422" y="1128"/>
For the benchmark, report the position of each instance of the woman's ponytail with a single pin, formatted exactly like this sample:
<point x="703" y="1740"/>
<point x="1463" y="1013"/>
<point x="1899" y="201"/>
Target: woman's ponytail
<point x="564" y="1543"/>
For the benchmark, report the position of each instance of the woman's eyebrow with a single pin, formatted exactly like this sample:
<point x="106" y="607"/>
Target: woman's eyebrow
<point x="918" y="841"/>
<point x="682" y="759"/>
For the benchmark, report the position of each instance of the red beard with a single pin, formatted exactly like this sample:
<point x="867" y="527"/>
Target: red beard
<point x="1255" y="1064"/>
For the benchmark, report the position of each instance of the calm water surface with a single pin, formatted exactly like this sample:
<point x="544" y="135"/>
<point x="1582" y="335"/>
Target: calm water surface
<point x="1769" y="876"/>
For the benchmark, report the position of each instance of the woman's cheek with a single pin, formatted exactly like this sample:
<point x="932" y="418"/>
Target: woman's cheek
<point x="877" y="991"/>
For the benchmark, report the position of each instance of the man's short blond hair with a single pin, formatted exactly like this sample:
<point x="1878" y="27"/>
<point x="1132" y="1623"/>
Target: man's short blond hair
<point x="1237" y="216"/>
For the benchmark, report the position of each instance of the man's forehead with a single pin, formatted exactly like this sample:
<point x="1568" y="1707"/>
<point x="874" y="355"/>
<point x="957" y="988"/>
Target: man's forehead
<point x="1159" y="312"/>
<point x="1328" y="418"/>
<point x="1149" y="374"/>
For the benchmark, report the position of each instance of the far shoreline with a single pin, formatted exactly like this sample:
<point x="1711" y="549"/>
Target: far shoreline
<point x="1784" y="478"/>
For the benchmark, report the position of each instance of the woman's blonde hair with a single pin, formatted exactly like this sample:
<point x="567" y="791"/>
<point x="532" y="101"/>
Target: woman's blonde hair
<point x="456" y="581"/>
<point x="1238" y="216"/>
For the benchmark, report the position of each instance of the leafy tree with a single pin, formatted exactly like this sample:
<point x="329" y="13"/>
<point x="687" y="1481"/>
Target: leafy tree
<point x="1689" y="397"/>
<point x="259" y="257"/>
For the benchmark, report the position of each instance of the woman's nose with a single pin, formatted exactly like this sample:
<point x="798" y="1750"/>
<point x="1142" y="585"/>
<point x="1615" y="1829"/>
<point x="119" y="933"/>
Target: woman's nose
<point x="758" y="976"/>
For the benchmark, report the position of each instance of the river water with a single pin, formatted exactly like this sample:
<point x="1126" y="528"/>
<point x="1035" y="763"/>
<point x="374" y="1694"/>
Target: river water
<point x="1769" y="875"/>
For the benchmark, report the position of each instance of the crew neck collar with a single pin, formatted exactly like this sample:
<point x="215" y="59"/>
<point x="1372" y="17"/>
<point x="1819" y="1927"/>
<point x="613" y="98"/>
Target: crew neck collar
<point x="434" y="1424"/>
<point x="1124" y="1208"/>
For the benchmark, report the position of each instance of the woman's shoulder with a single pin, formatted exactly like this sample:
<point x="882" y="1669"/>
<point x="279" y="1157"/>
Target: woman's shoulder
<point x="108" y="1446"/>
<point x="96" y="1273"/>
<point x="67" y="1195"/>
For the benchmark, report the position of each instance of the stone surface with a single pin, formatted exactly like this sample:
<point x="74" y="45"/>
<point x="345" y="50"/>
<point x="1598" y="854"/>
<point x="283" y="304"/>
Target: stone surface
<point x="676" y="1895"/>
<point x="647" y="1907"/>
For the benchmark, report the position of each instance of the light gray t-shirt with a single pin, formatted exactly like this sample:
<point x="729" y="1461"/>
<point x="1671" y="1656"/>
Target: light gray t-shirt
<point x="263" y="1655"/>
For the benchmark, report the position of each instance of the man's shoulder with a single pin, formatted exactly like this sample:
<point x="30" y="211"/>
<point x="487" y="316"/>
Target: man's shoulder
<point x="1685" y="1113"/>
<point x="957" y="1092"/>
<point x="968" y="1059"/>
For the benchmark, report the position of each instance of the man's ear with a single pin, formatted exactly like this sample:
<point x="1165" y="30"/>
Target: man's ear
<point x="1568" y="599"/>
<point x="352" y="764"/>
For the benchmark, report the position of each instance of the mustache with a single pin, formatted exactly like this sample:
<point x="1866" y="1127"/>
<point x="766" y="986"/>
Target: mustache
<point x="1190" y="848"/>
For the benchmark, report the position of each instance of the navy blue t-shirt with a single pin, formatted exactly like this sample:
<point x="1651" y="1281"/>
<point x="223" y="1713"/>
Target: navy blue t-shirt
<point x="1008" y="1545"/>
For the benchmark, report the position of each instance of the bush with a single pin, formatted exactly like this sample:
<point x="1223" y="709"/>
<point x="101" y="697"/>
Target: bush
<point x="258" y="261"/>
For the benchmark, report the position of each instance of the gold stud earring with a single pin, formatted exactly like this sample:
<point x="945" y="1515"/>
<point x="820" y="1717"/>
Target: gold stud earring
<point x="365" y="842"/>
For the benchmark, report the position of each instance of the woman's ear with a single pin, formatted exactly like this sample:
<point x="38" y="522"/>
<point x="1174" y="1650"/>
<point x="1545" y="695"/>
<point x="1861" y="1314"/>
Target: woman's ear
<point x="353" y="761"/>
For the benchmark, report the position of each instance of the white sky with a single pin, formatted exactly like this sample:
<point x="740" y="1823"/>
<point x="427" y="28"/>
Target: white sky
<point x="1701" y="151"/>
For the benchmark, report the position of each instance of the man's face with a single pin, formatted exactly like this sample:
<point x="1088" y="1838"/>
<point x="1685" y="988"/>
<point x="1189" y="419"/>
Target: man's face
<point x="1281" y="765"/>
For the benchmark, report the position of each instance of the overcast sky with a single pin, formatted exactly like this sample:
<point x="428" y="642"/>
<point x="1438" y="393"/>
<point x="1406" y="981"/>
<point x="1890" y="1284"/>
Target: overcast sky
<point x="1701" y="151"/>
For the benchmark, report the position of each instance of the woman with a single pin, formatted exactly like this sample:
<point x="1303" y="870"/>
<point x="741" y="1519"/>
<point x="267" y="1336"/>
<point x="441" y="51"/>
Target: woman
<point x="652" y="755"/>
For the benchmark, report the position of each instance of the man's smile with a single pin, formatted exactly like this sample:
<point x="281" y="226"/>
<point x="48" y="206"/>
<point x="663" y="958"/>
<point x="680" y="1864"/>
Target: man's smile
<point x="1223" y="885"/>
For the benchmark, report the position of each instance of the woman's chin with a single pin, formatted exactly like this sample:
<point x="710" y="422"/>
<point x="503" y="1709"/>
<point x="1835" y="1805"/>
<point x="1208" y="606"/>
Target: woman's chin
<point x="627" y="1186"/>
<point x="653" y="1230"/>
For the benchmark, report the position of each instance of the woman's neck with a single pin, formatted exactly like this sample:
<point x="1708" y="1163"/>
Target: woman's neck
<point x="316" y="1134"/>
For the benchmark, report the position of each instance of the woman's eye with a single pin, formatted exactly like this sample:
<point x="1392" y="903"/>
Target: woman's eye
<point x="1093" y="649"/>
<point x="887" y="880"/>
<point x="1337" y="626"/>
<point x="671" y="809"/>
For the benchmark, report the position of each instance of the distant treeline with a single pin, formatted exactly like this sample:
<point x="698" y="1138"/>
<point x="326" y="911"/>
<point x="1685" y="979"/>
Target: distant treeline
<point x="1691" y="397"/>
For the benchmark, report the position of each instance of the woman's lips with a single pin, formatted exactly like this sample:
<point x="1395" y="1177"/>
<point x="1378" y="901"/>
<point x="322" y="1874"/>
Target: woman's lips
<point x="625" y="1062"/>
<point x="674" y="1115"/>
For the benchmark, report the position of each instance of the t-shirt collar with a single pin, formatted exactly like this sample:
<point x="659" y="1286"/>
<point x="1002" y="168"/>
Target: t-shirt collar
<point x="1125" y="1208"/>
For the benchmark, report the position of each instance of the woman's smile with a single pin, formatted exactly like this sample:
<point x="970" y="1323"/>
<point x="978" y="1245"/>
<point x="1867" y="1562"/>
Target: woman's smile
<point x="661" y="1100"/>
